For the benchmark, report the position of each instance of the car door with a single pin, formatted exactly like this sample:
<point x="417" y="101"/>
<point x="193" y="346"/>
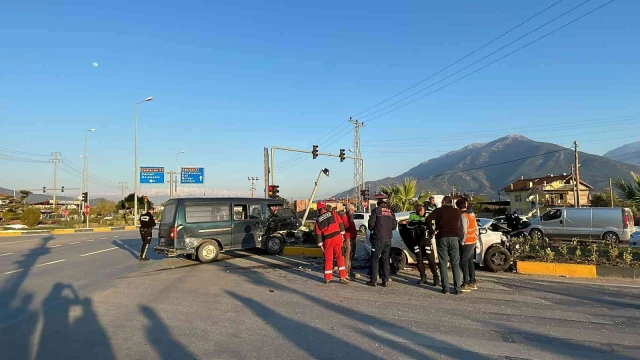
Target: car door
<point x="247" y="225"/>
<point x="552" y="222"/>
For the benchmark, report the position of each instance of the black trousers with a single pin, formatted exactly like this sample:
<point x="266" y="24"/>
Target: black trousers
<point x="421" y="255"/>
<point x="466" y="263"/>
<point x="145" y="235"/>
<point x="380" y="252"/>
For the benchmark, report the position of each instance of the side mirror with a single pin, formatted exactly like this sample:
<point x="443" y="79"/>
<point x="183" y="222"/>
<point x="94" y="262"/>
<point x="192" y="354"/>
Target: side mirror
<point x="483" y="231"/>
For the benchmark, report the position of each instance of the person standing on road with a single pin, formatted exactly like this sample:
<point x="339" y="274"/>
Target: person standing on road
<point x="445" y="223"/>
<point x="382" y="222"/>
<point x="330" y="236"/>
<point x="469" y="236"/>
<point x="351" y="233"/>
<point x="430" y="205"/>
<point x="422" y="241"/>
<point x="147" y="223"/>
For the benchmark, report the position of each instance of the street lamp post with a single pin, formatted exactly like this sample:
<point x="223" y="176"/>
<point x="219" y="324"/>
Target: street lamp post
<point x="135" y="166"/>
<point x="176" y="173"/>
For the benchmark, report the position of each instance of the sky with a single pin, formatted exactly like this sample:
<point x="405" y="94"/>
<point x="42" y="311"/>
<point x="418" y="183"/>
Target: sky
<point x="230" y="78"/>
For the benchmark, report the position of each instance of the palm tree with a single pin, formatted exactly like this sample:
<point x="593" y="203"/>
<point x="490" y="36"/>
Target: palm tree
<point x="402" y="196"/>
<point x="630" y="192"/>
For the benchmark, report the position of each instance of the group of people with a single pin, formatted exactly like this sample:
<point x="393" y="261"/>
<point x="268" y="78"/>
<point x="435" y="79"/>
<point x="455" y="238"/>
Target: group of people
<point x="446" y="235"/>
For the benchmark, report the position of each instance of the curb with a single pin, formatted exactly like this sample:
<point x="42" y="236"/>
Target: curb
<point x="577" y="270"/>
<point x="302" y="251"/>
<point x="67" y="231"/>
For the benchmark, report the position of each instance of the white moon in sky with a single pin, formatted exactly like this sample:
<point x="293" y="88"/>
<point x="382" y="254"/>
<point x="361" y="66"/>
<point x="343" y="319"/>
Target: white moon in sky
<point x="95" y="64"/>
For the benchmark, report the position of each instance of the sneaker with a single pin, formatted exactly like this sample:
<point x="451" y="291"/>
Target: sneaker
<point x="465" y="288"/>
<point x="344" y="281"/>
<point x="473" y="286"/>
<point x="371" y="283"/>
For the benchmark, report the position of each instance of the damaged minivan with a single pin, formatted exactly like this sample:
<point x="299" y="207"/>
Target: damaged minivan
<point x="201" y="228"/>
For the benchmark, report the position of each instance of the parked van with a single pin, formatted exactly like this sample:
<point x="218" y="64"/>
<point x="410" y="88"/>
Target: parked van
<point x="609" y="224"/>
<point x="201" y="228"/>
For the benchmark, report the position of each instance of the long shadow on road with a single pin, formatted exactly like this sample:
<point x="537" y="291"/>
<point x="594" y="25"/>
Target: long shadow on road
<point x="160" y="337"/>
<point x="60" y="338"/>
<point x="366" y="319"/>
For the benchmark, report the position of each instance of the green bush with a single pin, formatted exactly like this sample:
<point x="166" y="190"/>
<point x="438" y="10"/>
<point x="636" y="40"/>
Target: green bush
<point x="30" y="217"/>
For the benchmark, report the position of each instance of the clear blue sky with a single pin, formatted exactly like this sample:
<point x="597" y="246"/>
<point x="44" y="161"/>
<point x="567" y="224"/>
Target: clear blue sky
<point x="231" y="77"/>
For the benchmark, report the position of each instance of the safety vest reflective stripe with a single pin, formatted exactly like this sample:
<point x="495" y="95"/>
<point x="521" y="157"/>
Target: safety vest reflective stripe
<point x="471" y="237"/>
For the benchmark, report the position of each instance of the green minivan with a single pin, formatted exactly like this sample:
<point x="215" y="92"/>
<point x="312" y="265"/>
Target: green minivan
<point x="201" y="228"/>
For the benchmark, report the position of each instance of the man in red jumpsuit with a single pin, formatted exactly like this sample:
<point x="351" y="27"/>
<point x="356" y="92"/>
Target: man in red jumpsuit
<point x="330" y="235"/>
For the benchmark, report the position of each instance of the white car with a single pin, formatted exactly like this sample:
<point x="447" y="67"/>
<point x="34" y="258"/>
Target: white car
<point x="490" y="251"/>
<point x="361" y="220"/>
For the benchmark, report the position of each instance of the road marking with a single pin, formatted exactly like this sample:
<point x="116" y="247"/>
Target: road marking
<point x="53" y="262"/>
<point x="104" y="238"/>
<point x="99" y="251"/>
<point x="52" y="246"/>
<point x="116" y="236"/>
<point x="11" y="272"/>
<point x="73" y="243"/>
<point x="6" y="254"/>
<point x="89" y="240"/>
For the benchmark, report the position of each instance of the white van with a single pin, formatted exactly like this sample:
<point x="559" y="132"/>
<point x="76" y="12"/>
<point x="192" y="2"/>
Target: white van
<point x="608" y="224"/>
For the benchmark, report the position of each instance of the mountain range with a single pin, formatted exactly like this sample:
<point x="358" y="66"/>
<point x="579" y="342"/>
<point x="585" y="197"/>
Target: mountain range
<point x="37" y="198"/>
<point x="484" y="168"/>
<point x="629" y="153"/>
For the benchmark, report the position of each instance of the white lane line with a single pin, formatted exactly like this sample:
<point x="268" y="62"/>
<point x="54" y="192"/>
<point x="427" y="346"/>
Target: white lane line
<point x="116" y="236"/>
<point x="11" y="272"/>
<point x="53" y="262"/>
<point x="6" y="254"/>
<point x="99" y="251"/>
<point x="89" y="240"/>
<point x="52" y="246"/>
<point x="103" y="238"/>
<point x="73" y="243"/>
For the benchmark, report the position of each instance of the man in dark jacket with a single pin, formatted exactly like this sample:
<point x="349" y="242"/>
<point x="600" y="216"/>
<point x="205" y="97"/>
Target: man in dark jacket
<point x="147" y="223"/>
<point x="382" y="222"/>
<point x="445" y="224"/>
<point x="350" y="235"/>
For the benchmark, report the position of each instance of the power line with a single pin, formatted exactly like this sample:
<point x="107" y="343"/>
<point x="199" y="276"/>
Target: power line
<point x="459" y="60"/>
<point x="21" y="159"/>
<point x="3" y="149"/>
<point x="484" y="66"/>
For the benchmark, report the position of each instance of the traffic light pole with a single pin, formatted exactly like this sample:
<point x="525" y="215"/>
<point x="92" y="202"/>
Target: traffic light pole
<point x="273" y="166"/>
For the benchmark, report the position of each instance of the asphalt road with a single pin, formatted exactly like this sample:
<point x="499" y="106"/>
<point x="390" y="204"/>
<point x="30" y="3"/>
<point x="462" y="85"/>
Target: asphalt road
<point x="85" y="296"/>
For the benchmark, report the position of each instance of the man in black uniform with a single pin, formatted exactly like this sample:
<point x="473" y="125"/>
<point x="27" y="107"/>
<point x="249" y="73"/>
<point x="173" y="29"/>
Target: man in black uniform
<point x="147" y="223"/>
<point x="430" y="205"/>
<point x="382" y="222"/>
<point x="421" y="242"/>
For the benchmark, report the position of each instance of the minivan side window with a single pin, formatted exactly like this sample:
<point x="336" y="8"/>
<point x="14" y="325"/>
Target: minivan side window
<point x="255" y="211"/>
<point x="239" y="212"/>
<point x="358" y="216"/>
<point x="199" y="213"/>
<point x="552" y="215"/>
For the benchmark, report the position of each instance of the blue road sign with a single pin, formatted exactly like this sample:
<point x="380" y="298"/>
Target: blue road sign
<point x="192" y="175"/>
<point x="151" y="175"/>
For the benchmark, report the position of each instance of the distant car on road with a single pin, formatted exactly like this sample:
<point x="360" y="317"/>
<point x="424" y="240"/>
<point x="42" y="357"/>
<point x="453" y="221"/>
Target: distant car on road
<point x="361" y="220"/>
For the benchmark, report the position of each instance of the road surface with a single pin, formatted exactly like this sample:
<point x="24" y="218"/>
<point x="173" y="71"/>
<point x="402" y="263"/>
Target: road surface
<point x="85" y="296"/>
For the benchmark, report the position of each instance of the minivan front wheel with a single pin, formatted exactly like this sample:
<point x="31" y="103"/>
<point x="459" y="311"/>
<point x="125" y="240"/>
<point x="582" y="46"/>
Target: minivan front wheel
<point x="274" y="245"/>
<point x="536" y="234"/>
<point x="208" y="252"/>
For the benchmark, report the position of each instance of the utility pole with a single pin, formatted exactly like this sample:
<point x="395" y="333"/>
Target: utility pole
<point x="171" y="193"/>
<point x="253" y="185"/>
<point x="122" y="185"/>
<point x="267" y="171"/>
<point x="358" y="165"/>
<point x="575" y="144"/>
<point x="55" y="162"/>
<point x="611" y="191"/>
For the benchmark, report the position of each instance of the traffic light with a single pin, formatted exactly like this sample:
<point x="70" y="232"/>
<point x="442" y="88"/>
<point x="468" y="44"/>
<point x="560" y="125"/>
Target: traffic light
<point x="62" y="189"/>
<point x="270" y="193"/>
<point x="341" y="155"/>
<point x="275" y="191"/>
<point x="85" y="197"/>
<point x="315" y="151"/>
<point x="44" y="189"/>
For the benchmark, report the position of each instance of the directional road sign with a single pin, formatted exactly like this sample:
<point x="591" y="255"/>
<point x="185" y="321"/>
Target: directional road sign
<point x="151" y="175"/>
<point x="192" y="175"/>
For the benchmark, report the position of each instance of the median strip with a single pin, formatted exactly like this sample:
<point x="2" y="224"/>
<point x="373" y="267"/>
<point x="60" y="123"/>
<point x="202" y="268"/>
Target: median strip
<point x="99" y="251"/>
